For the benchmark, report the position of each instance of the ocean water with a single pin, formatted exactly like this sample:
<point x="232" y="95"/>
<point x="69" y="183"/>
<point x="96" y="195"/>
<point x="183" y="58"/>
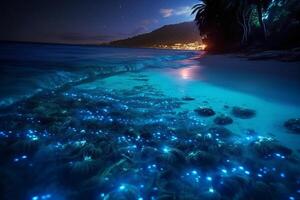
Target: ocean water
<point x="29" y="68"/>
<point x="83" y="122"/>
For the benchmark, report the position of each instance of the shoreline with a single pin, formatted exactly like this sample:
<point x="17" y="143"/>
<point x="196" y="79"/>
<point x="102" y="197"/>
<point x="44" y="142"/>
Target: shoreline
<point x="290" y="55"/>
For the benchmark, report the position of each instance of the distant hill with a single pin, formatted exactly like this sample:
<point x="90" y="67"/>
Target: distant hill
<point x="186" y="32"/>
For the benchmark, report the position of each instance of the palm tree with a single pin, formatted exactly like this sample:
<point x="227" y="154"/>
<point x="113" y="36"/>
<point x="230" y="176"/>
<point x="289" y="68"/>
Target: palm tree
<point x="209" y="17"/>
<point x="217" y="20"/>
<point x="207" y="14"/>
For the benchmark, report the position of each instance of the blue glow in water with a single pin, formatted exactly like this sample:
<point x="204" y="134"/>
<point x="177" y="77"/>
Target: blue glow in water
<point x="91" y="140"/>
<point x="247" y="172"/>
<point x="166" y="149"/>
<point x="122" y="187"/>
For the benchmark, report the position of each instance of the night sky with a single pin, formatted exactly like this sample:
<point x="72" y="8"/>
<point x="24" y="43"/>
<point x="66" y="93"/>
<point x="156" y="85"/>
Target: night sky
<point x="87" y="21"/>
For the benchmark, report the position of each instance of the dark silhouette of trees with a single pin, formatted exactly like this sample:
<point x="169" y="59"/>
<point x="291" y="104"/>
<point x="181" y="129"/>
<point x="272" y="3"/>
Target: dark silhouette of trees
<point x="261" y="6"/>
<point x="216" y="22"/>
<point x="229" y="24"/>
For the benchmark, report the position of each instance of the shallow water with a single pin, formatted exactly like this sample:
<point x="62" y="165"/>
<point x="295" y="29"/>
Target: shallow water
<point x="105" y="123"/>
<point x="29" y="68"/>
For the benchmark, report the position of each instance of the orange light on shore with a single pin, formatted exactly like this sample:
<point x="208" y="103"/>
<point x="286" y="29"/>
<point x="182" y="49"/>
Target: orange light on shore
<point x="203" y="46"/>
<point x="184" y="46"/>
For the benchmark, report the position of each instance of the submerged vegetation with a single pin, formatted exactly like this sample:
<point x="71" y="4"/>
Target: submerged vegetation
<point x="234" y="24"/>
<point x="137" y="144"/>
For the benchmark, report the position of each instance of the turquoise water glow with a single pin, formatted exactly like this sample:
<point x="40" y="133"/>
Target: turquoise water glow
<point x="107" y="123"/>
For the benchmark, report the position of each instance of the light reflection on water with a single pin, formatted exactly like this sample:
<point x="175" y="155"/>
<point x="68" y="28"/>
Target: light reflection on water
<point x="189" y="73"/>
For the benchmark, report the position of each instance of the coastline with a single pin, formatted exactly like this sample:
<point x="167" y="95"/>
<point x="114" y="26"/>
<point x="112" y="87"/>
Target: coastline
<point x="289" y="55"/>
<point x="113" y="136"/>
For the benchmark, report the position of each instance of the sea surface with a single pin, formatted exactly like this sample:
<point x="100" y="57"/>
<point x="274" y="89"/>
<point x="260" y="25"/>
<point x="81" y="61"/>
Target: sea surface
<point x="90" y="122"/>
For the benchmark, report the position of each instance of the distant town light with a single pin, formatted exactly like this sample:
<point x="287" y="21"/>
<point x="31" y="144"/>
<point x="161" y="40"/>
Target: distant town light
<point x="183" y="46"/>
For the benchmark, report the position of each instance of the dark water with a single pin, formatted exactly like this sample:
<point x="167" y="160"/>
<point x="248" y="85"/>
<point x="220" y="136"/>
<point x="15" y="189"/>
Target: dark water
<point x="28" y="68"/>
<point x="79" y="136"/>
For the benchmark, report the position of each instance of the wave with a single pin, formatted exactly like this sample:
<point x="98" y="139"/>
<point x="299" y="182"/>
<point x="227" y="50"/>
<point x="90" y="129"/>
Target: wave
<point x="24" y="76"/>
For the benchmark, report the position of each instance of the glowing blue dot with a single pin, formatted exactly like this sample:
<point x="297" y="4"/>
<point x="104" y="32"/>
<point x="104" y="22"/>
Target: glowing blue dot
<point x="47" y="196"/>
<point x="224" y="171"/>
<point x="122" y="187"/>
<point x="140" y="198"/>
<point x="166" y="149"/>
<point x="102" y="194"/>
<point x="35" y="198"/>
<point x="247" y="172"/>
<point x="241" y="167"/>
<point x="24" y="157"/>
<point x="211" y="190"/>
<point x="259" y="175"/>
<point x="209" y="178"/>
<point x="291" y="198"/>
<point x="194" y="172"/>
<point x="282" y="175"/>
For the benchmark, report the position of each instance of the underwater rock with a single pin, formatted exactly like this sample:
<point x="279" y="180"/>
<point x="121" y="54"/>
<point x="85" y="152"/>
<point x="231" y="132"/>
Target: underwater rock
<point x="293" y="125"/>
<point x="266" y="147"/>
<point x="234" y="149"/>
<point x="25" y="146"/>
<point x="205" y="112"/>
<point x="81" y="170"/>
<point x="168" y="180"/>
<point x="203" y="159"/>
<point x="124" y="192"/>
<point x="220" y="132"/>
<point x="258" y="190"/>
<point x="223" y="120"/>
<point x="131" y="132"/>
<point x="91" y="150"/>
<point x="92" y="124"/>
<point x="230" y="187"/>
<point x="148" y="153"/>
<point x="226" y="106"/>
<point x="243" y="113"/>
<point x="145" y="134"/>
<point x="187" y="98"/>
<point x="210" y="195"/>
<point x="173" y="157"/>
